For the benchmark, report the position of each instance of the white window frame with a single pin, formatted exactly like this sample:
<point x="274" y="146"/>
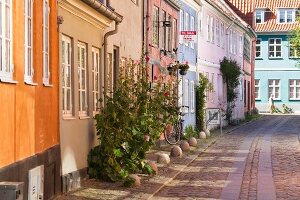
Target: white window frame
<point x="155" y="26"/>
<point x="186" y="96"/>
<point x="293" y="53"/>
<point x="234" y="41"/>
<point x="66" y="66"/>
<point x="257" y="86"/>
<point x="258" y="46"/>
<point x="275" y="45"/>
<point x="222" y="39"/>
<point x="286" y="14"/>
<point x="192" y="97"/>
<point x="272" y="88"/>
<point x="82" y="86"/>
<point x="46" y="39"/>
<point x="192" y="29"/>
<point x="96" y="52"/>
<point x="212" y="26"/>
<point x="230" y="41"/>
<point x="208" y="27"/>
<point x="174" y="33"/>
<point x="29" y="69"/>
<point x="241" y="45"/>
<point x="186" y="25"/>
<point x="218" y="32"/>
<point x="6" y="68"/>
<point x="262" y="15"/>
<point x="296" y="89"/>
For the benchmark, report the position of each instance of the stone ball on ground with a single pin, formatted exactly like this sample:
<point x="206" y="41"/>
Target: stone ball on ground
<point x="136" y="180"/>
<point x="163" y="158"/>
<point x="176" y="151"/>
<point x="153" y="166"/>
<point x="202" y="135"/>
<point x="193" y="142"/>
<point x="184" y="145"/>
<point x="207" y="133"/>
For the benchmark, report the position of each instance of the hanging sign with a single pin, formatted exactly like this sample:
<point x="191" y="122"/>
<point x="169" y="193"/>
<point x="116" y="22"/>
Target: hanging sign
<point x="188" y="36"/>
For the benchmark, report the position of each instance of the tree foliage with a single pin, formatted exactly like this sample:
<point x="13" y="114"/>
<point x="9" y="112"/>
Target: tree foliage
<point x="294" y="39"/>
<point x="132" y="119"/>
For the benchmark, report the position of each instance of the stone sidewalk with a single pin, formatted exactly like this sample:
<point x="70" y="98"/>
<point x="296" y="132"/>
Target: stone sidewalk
<point x="150" y="185"/>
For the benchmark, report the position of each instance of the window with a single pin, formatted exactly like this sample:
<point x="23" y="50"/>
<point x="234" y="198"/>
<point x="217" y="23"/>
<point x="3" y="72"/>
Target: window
<point x="286" y="15"/>
<point x="208" y="28"/>
<point x="6" y="67"/>
<point x="247" y="49"/>
<point x="29" y="71"/>
<point x="218" y="32"/>
<point x="169" y="33"/>
<point x="274" y="88"/>
<point x="295" y="89"/>
<point x="96" y="78"/>
<point x="66" y="69"/>
<point x="174" y="33"/>
<point x="230" y="41"/>
<point x="293" y="51"/>
<point x="259" y="16"/>
<point x="234" y="41"/>
<point x="82" y="86"/>
<point x="186" y="96"/>
<point x="275" y="48"/>
<point x="155" y="21"/>
<point x="241" y="82"/>
<point x="186" y="27"/>
<point x="212" y="25"/>
<point x="258" y="48"/>
<point x="181" y="24"/>
<point x="192" y="29"/>
<point x="46" y="70"/>
<point x="241" y="45"/>
<point x="192" y="102"/>
<point x="164" y="30"/>
<point x="222" y="39"/>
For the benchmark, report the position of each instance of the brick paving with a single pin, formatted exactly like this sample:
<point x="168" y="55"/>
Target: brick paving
<point x="260" y="160"/>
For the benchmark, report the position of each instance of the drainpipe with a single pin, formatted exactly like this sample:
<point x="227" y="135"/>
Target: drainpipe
<point x="106" y="35"/>
<point x="146" y="18"/>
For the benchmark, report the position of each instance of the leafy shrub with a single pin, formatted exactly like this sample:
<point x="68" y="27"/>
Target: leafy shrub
<point x="189" y="131"/>
<point x="131" y="121"/>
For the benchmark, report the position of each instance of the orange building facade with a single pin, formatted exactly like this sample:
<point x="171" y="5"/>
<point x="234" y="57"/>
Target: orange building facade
<point x="29" y="63"/>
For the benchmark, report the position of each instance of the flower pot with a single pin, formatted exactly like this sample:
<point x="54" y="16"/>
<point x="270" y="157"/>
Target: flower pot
<point x="182" y="72"/>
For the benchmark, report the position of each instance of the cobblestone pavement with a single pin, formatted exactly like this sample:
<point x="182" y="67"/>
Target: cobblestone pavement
<point x="260" y="160"/>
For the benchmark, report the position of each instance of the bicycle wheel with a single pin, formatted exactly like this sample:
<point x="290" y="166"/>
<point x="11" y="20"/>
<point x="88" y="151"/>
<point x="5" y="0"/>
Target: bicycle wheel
<point x="173" y="136"/>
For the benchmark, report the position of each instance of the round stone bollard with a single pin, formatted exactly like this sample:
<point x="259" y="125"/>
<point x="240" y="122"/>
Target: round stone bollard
<point x="136" y="180"/>
<point x="193" y="142"/>
<point x="153" y="166"/>
<point x="184" y="145"/>
<point x="202" y="135"/>
<point x="163" y="158"/>
<point x="176" y="151"/>
<point x="207" y="133"/>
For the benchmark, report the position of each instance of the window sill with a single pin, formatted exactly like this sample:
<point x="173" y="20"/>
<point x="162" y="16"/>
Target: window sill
<point x="258" y="58"/>
<point x="84" y="117"/>
<point x="47" y="85"/>
<point x="30" y="83"/>
<point x="292" y="99"/>
<point x="68" y="118"/>
<point x="294" y="58"/>
<point x="4" y="80"/>
<point x="275" y="58"/>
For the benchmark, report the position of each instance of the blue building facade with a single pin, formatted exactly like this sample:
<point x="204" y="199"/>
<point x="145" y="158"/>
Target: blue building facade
<point x="276" y="70"/>
<point x="187" y="53"/>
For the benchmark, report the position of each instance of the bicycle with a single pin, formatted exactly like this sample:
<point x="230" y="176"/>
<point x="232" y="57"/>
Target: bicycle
<point x="174" y="136"/>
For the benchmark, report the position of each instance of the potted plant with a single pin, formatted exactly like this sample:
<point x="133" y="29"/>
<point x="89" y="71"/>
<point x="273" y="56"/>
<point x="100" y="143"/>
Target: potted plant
<point x="183" y="68"/>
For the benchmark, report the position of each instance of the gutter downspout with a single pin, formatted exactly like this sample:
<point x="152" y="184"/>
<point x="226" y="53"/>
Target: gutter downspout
<point x="106" y="35"/>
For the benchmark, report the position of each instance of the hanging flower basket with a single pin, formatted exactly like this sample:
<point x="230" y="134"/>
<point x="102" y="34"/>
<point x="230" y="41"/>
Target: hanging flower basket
<point x="182" y="72"/>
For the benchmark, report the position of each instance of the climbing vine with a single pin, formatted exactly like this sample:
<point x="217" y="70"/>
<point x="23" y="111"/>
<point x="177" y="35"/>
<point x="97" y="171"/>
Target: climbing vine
<point x="231" y="72"/>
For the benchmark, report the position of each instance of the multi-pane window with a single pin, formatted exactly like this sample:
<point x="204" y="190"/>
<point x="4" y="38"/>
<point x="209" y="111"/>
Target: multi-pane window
<point x="155" y="23"/>
<point x="275" y="48"/>
<point x="174" y="33"/>
<point x="186" y="26"/>
<point x="169" y="33"/>
<point x="247" y="49"/>
<point x="218" y="32"/>
<point x="274" y="88"/>
<point x="6" y="67"/>
<point x="222" y="39"/>
<point x="181" y="23"/>
<point x="230" y="41"/>
<point x="212" y="25"/>
<point x="46" y="71"/>
<point x="259" y="16"/>
<point x="192" y="29"/>
<point x="208" y="27"/>
<point x="82" y="79"/>
<point x="66" y="73"/>
<point x="164" y="30"/>
<point x="186" y="96"/>
<point x="295" y="89"/>
<point x="286" y="15"/>
<point x="28" y="8"/>
<point x="96" y="78"/>
<point x="293" y="51"/>
<point x="257" y="89"/>
<point x="192" y="97"/>
<point x="241" y="45"/>
<point x="258" y="48"/>
<point x="234" y="41"/>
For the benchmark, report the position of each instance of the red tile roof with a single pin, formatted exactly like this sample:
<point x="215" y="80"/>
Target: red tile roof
<point x="246" y="8"/>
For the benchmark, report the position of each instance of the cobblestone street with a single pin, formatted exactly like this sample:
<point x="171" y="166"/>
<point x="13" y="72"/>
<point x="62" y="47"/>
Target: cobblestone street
<point x="259" y="160"/>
